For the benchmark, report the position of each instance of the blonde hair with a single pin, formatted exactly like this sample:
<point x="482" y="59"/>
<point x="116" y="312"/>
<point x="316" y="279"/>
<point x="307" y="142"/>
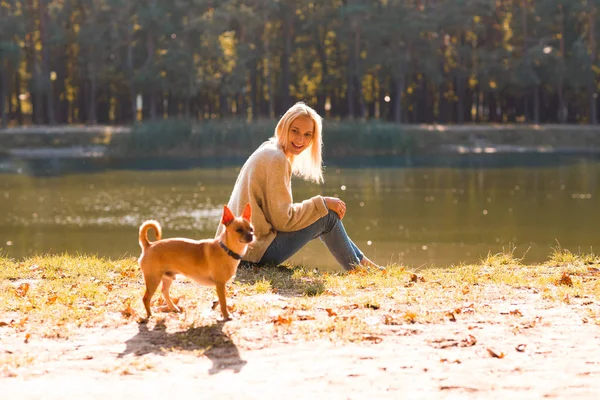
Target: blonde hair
<point x="308" y="165"/>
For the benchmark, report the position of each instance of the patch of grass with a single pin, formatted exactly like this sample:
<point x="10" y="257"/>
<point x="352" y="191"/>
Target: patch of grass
<point x="563" y="257"/>
<point x="46" y="296"/>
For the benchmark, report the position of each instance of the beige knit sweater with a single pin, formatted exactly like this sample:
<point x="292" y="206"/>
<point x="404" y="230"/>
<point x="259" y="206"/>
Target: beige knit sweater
<point x="265" y="181"/>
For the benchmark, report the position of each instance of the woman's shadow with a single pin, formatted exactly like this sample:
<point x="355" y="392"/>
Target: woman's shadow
<point x="217" y="345"/>
<point x="289" y="281"/>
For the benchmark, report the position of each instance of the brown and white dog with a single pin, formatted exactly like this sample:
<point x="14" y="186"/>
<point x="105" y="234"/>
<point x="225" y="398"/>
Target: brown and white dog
<point x="210" y="262"/>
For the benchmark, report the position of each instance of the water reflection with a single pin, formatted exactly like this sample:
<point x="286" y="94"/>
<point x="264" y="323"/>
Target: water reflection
<point x="414" y="216"/>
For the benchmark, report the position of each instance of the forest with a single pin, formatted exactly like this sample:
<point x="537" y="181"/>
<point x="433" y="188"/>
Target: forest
<point x="119" y="62"/>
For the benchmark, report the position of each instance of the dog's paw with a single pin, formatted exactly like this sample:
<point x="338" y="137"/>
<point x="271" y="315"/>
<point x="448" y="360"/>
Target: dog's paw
<point x="166" y="308"/>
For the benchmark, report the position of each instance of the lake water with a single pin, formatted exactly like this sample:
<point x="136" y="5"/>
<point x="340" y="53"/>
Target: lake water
<point x="442" y="212"/>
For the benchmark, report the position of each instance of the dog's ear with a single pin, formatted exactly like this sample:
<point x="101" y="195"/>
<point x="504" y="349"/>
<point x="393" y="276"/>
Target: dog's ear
<point x="227" y="216"/>
<point x="247" y="212"/>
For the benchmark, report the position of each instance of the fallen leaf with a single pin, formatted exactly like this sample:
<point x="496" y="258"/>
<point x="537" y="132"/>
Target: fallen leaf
<point x="27" y="336"/>
<point x="305" y="316"/>
<point x="128" y="311"/>
<point x="516" y="312"/>
<point x="565" y="279"/>
<point x="468" y="309"/>
<point x="521" y="348"/>
<point x="373" y="339"/>
<point x="469" y="341"/>
<point x="451" y="316"/>
<point x="494" y="354"/>
<point x="52" y="299"/>
<point x="330" y="312"/>
<point x="416" y="278"/>
<point x="22" y="289"/>
<point x="445" y="360"/>
<point x="410" y="316"/>
<point x="465" y="290"/>
<point x="282" y="320"/>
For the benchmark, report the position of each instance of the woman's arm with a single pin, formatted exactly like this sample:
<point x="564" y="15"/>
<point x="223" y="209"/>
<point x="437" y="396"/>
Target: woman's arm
<point x="278" y="206"/>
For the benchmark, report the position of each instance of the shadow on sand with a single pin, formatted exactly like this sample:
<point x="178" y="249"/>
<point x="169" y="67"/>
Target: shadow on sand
<point x="288" y="281"/>
<point x="211" y="339"/>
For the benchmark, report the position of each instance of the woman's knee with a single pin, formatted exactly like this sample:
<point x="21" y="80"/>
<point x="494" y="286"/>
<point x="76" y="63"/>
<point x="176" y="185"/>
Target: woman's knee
<point x="331" y="219"/>
<point x="332" y="215"/>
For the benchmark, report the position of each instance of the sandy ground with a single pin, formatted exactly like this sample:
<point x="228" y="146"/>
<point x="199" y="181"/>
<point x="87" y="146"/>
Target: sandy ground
<point x="543" y="350"/>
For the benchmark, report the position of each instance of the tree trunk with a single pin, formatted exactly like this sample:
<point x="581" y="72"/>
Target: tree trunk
<point x="268" y="72"/>
<point x="323" y="90"/>
<point x="350" y="91"/>
<point x="46" y="81"/>
<point x="92" y="119"/>
<point x="398" y="90"/>
<point x="536" y="104"/>
<point x="358" y="73"/>
<point x="4" y="92"/>
<point x="62" y="111"/>
<point x="254" y="89"/>
<point x="562" y="114"/>
<point x="37" y="100"/>
<point x="19" y="109"/>
<point x="288" y="32"/>
<point x="460" y="106"/>
<point x="150" y="49"/>
<point x="131" y="74"/>
<point x="592" y="95"/>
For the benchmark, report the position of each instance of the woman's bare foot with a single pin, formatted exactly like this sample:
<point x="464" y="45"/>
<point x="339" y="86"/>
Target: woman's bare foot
<point x="365" y="262"/>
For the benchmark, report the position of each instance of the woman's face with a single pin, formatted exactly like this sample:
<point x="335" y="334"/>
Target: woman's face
<point x="300" y="135"/>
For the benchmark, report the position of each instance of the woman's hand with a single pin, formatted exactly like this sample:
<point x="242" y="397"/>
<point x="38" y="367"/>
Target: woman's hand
<point x="336" y="205"/>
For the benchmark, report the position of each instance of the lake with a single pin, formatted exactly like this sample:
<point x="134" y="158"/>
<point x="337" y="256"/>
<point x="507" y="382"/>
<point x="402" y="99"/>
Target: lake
<point x="440" y="211"/>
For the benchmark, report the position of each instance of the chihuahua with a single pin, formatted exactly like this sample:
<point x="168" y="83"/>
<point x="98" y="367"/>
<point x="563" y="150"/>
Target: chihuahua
<point x="210" y="262"/>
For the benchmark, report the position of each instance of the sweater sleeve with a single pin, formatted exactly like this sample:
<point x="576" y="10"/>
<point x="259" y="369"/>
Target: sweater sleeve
<point x="283" y="214"/>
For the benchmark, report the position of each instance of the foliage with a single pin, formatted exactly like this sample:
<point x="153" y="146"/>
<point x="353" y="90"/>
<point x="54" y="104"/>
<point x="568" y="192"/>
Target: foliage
<point x="393" y="60"/>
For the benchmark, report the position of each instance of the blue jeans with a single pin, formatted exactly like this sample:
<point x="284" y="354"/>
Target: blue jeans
<point x="331" y="232"/>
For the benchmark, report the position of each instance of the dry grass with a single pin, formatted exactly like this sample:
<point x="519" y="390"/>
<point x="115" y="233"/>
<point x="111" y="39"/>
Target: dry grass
<point x="47" y="296"/>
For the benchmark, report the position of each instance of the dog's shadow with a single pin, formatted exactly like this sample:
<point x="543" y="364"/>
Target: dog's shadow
<point x="215" y="344"/>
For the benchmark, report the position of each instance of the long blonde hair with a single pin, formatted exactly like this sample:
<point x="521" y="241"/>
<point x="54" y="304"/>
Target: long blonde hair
<point x="309" y="164"/>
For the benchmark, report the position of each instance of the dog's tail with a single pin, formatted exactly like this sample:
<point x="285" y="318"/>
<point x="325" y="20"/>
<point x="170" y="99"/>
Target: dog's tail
<point x="150" y="224"/>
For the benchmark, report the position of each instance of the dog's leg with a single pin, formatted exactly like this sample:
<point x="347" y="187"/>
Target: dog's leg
<point x="152" y="282"/>
<point x="166" y="284"/>
<point x="222" y="293"/>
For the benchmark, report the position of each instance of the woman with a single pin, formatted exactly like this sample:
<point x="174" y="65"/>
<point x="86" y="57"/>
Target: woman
<point x="281" y="226"/>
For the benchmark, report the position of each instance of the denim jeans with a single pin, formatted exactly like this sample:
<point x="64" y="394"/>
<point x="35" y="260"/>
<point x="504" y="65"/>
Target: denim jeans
<point x="331" y="232"/>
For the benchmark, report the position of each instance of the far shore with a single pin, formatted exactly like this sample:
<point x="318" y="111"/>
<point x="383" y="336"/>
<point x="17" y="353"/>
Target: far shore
<point x="342" y="138"/>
